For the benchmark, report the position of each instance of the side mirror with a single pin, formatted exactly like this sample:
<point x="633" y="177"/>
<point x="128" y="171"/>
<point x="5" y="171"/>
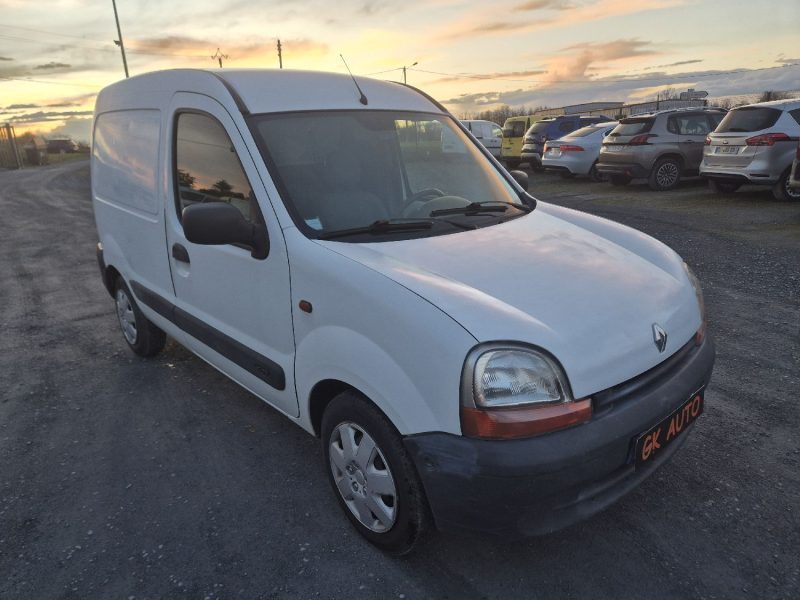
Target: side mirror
<point x="218" y="223"/>
<point x="521" y="177"/>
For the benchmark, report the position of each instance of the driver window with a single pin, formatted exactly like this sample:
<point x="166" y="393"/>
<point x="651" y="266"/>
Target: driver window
<point x="208" y="168"/>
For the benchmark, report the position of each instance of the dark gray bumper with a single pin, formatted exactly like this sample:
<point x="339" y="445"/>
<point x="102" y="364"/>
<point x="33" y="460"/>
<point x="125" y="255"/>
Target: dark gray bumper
<point x="538" y="485"/>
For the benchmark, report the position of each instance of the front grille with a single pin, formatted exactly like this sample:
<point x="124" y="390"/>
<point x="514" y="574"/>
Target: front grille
<point x="642" y="383"/>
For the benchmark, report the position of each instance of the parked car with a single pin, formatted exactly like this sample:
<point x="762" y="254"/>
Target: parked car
<point x="794" y="178"/>
<point x="662" y="146"/>
<point x="369" y="286"/>
<point x="489" y="134"/>
<point x="754" y="144"/>
<point x="576" y="153"/>
<point x="61" y="146"/>
<point x="551" y="128"/>
<point x="513" y="131"/>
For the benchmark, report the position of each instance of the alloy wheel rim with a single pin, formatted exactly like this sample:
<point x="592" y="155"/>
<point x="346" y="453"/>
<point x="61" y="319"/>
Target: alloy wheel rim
<point x="127" y="319"/>
<point x="793" y="194"/>
<point x="362" y="477"/>
<point x="667" y="174"/>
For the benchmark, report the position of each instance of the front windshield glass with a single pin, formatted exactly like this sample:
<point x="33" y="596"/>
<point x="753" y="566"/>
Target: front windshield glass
<point x="342" y="170"/>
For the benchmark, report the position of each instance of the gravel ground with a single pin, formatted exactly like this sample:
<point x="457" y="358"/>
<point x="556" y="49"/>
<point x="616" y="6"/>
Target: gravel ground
<point x="126" y="478"/>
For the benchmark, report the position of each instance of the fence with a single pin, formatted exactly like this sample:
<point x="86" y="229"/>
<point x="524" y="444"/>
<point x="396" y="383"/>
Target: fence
<point x="10" y="157"/>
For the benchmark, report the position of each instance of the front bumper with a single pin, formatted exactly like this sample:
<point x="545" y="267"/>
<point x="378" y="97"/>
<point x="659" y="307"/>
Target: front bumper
<point x="538" y="485"/>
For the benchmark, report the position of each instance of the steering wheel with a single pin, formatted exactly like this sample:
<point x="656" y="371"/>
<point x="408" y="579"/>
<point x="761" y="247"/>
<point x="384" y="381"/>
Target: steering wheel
<point x="416" y="201"/>
<point x="425" y="195"/>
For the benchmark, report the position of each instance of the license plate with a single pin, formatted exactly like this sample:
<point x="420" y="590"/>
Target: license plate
<point x="653" y="441"/>
<point x="554" y="152"/>
<point x="617" y="148"/>
<point x="727" y="149"/>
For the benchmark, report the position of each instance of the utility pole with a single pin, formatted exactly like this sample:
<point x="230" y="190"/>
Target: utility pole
<point x="118" y="42"/>
<point x="404" y="71"/>
<point x="280" y="54"/>
<point x="218" y="56"/>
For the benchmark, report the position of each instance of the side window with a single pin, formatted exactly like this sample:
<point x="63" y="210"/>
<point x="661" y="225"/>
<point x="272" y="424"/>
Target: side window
<point x="714" y="120"/>
<point x="207" y="168"/>
<point x="688" y="125"/>
<point x="566" y="127"/>
<point x="795" y="115"/>
<point x="477" y="130"/>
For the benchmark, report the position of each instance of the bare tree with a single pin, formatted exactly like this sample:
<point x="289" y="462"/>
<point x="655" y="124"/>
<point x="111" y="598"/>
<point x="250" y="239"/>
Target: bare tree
<point x="770" y="95"/>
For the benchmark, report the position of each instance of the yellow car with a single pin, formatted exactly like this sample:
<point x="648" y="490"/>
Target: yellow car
<point x="513" y="131"/>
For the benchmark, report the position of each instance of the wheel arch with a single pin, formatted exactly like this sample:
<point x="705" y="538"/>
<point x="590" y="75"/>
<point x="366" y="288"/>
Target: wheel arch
<point x="321" y="396"/>
<point x="677" y="156"/>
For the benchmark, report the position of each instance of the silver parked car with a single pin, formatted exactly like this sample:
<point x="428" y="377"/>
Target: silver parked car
<point x="754" y="144"/>
<point x="661" y="146"/>
<point x="576" y="153"/>
<point x="794" y="177"/>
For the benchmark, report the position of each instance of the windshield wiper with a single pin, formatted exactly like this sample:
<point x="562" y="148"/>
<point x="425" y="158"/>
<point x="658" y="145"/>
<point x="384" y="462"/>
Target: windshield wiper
<point x="476" y="208"/>
<point x="391" y="226"/>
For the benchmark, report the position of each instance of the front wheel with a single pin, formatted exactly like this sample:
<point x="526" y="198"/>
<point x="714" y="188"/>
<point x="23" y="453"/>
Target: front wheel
<point x="372" y="475"/>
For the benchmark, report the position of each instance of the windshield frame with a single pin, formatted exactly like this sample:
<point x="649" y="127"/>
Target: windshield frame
<point x="522" y="196"/>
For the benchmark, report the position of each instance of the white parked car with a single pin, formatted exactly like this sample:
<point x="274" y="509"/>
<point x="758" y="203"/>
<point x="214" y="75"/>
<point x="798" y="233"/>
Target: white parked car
<point x="576" y="153"/>
<point x="489" y="134"/>
<point x="470" y="357"/>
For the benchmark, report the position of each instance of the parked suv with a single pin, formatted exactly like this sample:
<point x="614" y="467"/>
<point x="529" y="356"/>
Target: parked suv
<point x="551" y="128"/>
<point x="754" y="144"/>
<point x="661" y="146"/>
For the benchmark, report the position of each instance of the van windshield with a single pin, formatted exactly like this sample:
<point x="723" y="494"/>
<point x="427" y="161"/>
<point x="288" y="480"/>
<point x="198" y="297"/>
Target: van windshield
<point x="414" y="174"/>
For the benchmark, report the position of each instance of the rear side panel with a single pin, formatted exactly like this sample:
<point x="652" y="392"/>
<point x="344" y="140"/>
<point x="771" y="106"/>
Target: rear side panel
<point x="127" y="208"/>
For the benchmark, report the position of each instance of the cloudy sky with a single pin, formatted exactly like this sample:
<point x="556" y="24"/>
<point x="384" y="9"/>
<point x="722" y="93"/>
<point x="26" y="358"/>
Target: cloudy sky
<point x="56" y="54"/>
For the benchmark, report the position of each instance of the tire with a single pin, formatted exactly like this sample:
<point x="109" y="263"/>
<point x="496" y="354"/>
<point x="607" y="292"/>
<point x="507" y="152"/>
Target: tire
<point x="394" y="521"/>
<point x="781" y="190"/>
<point x="144" y="338"/>
<point x="666" y="174"/>
<point x="720" y="186"/>
<point x="619" y="180"/>
<point x="595" y="175"/>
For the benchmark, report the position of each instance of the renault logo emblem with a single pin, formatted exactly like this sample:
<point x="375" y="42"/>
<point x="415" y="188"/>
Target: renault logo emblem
<point x="659" y="337"/>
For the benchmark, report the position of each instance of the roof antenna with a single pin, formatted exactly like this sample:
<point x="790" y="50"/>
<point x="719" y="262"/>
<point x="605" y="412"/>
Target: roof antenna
<point x="363" y="98"/>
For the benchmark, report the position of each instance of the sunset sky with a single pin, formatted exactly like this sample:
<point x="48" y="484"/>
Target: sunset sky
<point x="56" y="54"/>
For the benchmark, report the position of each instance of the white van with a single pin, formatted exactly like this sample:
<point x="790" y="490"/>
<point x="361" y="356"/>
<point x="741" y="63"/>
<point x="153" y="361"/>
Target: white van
<point x="470" y="357"/>
<point x="487" y="133"/>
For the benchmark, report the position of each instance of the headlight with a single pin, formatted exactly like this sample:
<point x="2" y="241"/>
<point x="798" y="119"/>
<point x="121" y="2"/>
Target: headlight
<point x="510" y="377"/>
<point x="700" y="335"/>
<point x="512" y="391"/>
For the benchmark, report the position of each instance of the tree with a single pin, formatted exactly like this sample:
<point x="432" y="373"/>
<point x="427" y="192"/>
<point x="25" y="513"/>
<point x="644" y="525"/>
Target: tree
<point x="223" y="187"/>
<point x="770" y="95"/>
<point x="185" y="178"/>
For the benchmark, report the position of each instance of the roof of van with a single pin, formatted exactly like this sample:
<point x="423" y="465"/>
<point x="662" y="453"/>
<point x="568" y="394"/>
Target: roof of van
<point x="263" y="91"/>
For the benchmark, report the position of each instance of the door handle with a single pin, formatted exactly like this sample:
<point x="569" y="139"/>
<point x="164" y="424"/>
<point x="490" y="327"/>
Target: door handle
<point x="180" y="253"/>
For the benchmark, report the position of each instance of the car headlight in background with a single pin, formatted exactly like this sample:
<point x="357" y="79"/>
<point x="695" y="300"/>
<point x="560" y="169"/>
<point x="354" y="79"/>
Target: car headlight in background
<point x="700" y="335"/>
<point x="510" y="391"/>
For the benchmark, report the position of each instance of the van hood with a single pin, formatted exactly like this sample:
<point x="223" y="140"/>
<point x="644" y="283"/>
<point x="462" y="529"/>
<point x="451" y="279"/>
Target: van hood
<point x="585" y="289"/>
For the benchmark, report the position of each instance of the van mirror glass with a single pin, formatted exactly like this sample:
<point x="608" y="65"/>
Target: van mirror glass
<point x="218" y="223"/>
<point x="521" y="177"/>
